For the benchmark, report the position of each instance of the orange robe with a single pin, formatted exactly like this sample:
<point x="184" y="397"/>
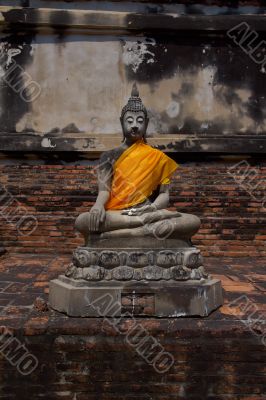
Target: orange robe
<point x="137" y="173"/>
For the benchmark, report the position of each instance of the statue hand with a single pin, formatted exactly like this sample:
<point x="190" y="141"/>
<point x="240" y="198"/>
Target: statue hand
<point x="149" y="218"/>
<point x="97" y="216"/>
<point x="160" y="215"/>
<point x="141" y="210"/>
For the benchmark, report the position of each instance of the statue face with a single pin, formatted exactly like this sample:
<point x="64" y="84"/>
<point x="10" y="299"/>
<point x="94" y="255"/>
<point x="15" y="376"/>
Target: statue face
<point x="134" y="125"/>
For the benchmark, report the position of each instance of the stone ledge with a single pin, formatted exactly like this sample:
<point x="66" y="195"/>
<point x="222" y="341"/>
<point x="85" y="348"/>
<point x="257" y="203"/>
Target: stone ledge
<point x="123" y="21"/>
<point x="95" y="144"/>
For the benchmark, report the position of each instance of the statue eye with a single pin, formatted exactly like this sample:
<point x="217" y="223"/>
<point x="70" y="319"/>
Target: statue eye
<point x="140" y="119"/>
<point x="130" y="120"/>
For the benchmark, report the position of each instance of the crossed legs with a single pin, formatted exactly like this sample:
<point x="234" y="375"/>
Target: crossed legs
<point x="159" y="224"/>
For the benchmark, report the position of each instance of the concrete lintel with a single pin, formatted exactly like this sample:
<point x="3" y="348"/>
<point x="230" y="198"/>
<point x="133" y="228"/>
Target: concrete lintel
<point x="95" y="144"/>
<point x="124" y="21"/>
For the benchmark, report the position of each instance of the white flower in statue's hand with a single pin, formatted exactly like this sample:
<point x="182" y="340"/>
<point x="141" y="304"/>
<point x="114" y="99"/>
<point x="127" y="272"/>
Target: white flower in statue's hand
<point x="129" y="212"/>
<point x="132" y="211"/>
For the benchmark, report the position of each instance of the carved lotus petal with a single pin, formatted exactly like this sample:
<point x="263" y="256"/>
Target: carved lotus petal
<point x="123" y="273"/>
<point x="84" y="258"/>
<point x="138" y="259"/>
<point x="179" y="258"/>
<point x="180" y="274"/>
<point x="191" y="258"/>
<point x="195" y="274"/>
<point x="153" y="272"/>
<point x="138" y="274"/>
<point x="93" y="273"/>
<point x="109" y="259"/>
<point x="70" y="270"/>
<point x="78" y="273"/>
<point x="166" y="258"/>
<point x="167" y="274"/>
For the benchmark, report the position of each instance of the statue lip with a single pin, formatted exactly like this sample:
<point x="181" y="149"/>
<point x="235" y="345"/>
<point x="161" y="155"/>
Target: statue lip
<point x="134" y="133"/>
<point x="136" y="138"/>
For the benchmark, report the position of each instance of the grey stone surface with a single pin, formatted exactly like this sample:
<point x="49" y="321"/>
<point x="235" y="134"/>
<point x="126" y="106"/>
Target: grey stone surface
<point x="136" y="264"/>
<point x="123" y="263"/>
<point x="96" y="241"/>
<point x="80" y="298"/>
<point x="180" y="274"/>
<point x="153" y="273"/>
<point x="93" y="273"/>
<point x="189" y="299"/>
<point x="123" y="273"/>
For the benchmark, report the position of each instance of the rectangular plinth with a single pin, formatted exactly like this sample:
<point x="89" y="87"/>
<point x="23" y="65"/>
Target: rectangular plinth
<point x="80" y="298"/>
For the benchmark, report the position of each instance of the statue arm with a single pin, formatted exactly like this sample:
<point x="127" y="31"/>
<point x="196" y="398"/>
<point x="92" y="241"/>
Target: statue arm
<point x="105" y="176"/>
<point x="104" y="184"/>
<point x="162" y="200"/>
<point x="105" y="173"/>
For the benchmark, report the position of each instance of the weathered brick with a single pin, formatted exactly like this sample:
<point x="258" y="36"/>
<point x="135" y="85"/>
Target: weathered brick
<point x="56" y="194"/>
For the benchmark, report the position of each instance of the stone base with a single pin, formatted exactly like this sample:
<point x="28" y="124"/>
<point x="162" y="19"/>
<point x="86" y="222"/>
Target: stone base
<point x="136" y="264"/>
<point x="80" y="298"/>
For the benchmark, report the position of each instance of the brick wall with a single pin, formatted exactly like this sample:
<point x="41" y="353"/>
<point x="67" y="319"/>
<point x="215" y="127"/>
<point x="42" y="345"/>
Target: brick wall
<point x="100" y="364"/>
<point x="56" y="189"/>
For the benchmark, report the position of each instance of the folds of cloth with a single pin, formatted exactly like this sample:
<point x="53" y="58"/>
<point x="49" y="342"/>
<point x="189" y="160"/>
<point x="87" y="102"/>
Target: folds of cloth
<point x="137" y="173"/>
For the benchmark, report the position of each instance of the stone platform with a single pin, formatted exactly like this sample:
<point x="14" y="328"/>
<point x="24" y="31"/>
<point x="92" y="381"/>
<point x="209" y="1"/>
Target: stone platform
<point x="163" y="278"/>
<point x="79" y="298"/>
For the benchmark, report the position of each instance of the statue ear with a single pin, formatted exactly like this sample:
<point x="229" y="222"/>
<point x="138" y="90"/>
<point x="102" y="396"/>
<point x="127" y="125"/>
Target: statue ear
<point x="121" y="121"/>
<point x="147" y="122"/>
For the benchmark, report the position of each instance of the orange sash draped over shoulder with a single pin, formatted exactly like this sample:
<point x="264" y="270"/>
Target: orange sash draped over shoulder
<point x="137" y="173"/>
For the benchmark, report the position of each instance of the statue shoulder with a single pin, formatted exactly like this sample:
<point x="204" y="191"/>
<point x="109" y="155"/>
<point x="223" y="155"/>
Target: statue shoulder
<point x="109" y="157"/>
<point x="158" y="151"/>
<point x="106" y="156"/>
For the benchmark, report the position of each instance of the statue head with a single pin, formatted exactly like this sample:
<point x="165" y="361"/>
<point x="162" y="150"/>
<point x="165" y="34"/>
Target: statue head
<point x="134" y="118"/>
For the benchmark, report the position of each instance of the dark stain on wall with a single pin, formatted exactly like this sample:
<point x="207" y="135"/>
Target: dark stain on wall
<point x="71" y="128"/>
<point x="13" y="104"/>
<point x="16" y="15"/>
<point x="188" y="53"/>
<point x="170" y="54"/>
<point x="56" y="22"/>
<point x="238" y="70"/>
<point x="179" y="52"/>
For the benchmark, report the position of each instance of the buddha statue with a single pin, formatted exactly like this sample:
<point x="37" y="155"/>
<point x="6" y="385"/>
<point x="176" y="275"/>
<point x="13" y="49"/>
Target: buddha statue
<point x="137" y="253"/>
<point x="133" y="188"/>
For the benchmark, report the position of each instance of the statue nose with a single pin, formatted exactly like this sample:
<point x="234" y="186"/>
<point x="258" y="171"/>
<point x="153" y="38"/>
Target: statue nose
<point x="135" y="129"/>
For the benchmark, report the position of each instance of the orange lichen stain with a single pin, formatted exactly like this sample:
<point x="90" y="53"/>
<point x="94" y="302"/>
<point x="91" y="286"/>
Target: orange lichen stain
<point x="236" y="287"/>
<point x="228" y="310"/>
<point x="40" y="284"/>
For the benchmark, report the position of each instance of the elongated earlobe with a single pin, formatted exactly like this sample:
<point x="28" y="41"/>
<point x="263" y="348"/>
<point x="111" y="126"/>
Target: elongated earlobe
<point x="121" y="122"/>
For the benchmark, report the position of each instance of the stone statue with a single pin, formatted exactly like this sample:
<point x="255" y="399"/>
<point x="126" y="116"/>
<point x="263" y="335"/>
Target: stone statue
<point x="134" y="247"/>
<point x="133" y="183"/>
